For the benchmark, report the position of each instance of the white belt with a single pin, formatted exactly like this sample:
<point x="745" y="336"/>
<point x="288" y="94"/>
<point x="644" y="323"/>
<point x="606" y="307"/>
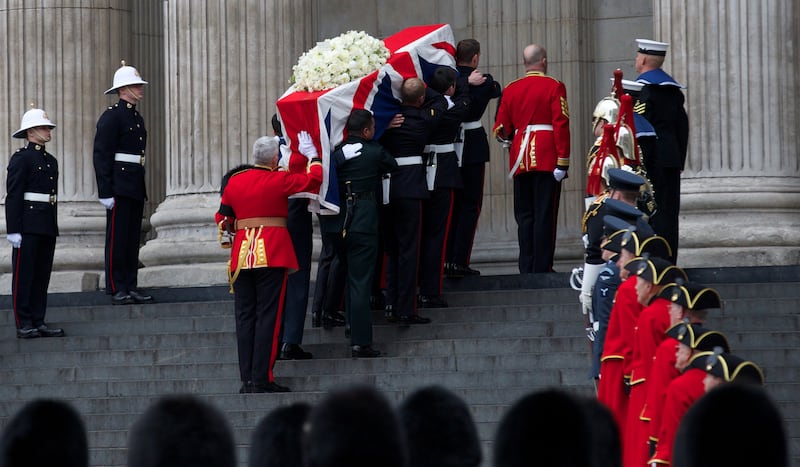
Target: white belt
<point x="472" y="125"/>
<point x="39" y="197"/>
<point x="440" y="148"/>
<point x="132" y="158"/>
<point x="408" y="160"/>
<point x="522" y="147"/>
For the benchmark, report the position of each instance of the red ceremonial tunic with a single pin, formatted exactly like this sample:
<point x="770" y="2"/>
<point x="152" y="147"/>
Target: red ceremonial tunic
<point x="617" y="349"/>
<point x="661" y="374"/>
<point x="534" y="110"/>
<point x="262" y="192"/>
<point x="650" y="331"/>
<point x="681" y="393"/>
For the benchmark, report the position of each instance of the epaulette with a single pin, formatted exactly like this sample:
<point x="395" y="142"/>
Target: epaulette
<point x="234" y="171"/>
<point x="591" y="211"/>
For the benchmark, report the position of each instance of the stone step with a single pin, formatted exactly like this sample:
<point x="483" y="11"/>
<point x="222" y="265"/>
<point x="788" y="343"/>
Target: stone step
<point x="59" y="375"/>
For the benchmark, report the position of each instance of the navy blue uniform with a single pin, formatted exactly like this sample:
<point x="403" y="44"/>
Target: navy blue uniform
<point x="404" y="212"/>
<point x="661" y="103"/>
<point x="469" y="200"/>
<point x="437" y="210"/>
<point x="31" y="170"/>
<point x="120" y="130"/>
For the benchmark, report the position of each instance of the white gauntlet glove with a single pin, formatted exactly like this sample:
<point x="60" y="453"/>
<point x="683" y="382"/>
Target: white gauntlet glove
<point x="14" y="239"/>
<point x="306" y="145"/>
<point x="107" y="203"/>
<point x="352" y="150"/>
<point x="559" y="174"/>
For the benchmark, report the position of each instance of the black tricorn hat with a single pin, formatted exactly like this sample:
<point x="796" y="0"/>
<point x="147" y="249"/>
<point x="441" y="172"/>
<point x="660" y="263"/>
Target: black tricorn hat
<point x="731" y="368"/>
<point x="655" y="270"/>
<point x="692" y="295"/>
<point x="698" y="338"/>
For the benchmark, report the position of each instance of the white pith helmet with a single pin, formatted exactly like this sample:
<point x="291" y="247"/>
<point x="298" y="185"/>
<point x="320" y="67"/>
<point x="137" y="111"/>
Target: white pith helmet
<point x="32" y="119"/>
<point x="125" y="76"/>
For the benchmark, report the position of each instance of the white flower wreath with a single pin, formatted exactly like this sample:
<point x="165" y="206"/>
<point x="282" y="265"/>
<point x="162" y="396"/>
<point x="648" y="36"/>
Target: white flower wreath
<point x="338" y="61"/>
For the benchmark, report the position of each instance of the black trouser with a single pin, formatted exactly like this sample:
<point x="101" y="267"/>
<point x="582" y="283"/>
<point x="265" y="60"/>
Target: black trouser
<point x="32" y="263"/>
<point x="536" y="199"/>
<point x="301" y="232"/>
<point x="357" y="253"/>
<point x="258" y="302"/>
<point x="123" y="233"/>
<point x="667" y="185"/>
<point x="436" y="214"/>
<point x="329" y="288"/>
<point x="403" y="222"/>
<point x="466" y="211"/>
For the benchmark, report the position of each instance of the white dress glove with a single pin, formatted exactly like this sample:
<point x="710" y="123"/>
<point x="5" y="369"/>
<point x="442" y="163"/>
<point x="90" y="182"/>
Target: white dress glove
<point x="352" y="150"/>
<point x="107" y="203"/>
<point x="306" y="145"/>
<point x="590" y="274"/>
<point x="14" y="239"/>
<point x="559" y="174"/>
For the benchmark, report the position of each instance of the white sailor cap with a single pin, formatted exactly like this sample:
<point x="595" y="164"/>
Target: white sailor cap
<point x="629" y="85"/>
<point x="649" y="47"/>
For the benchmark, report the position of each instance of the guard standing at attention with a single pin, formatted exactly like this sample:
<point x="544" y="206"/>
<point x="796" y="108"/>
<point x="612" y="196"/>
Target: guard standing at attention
<point x="32" y="224"/>
<point x="534" y="119"/>
<point x="253" y="210"/>
<point x="119" y="158"/>
<point x="661" y="103"/>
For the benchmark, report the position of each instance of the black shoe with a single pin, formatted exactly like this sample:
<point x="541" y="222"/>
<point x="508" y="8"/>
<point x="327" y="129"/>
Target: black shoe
<point x="431" y="301"/>
<point x="332" y="319"/>
<point x="247" y="387"/>
<point x="347" y="331"/>
<point x="413" y="319"/>
<point x="451" y="271"/>
<point x="316" y="319"/>
<point x="27" y="332"/>
<point x="46" y="331"/>
<point x="389" y="314"/>
<point x="377" y="302"/>
<point x="459" y="270"/>
<point x="364" y="351"/>
<point x="259" y="388"/>
<point x="139" y="297"/>
<point x="121" y="298"/>
<point x="293" y="352"/>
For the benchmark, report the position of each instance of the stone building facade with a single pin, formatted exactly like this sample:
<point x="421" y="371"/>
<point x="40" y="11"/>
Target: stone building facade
<point x="216" y="68"/>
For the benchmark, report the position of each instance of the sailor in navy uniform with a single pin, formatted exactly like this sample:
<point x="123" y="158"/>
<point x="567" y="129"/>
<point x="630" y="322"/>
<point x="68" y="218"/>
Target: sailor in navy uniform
<point x="32" y="224"/>
<point x="119" y="159"/>
<point x="661" y="103"/>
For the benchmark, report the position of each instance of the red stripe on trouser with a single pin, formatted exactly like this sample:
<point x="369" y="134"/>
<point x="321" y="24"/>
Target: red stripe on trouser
<point x="273" y="352"/>
<point x="111" y="249"/>
<point x="416" y="267"/>
<point x="444" y="240"/>
<point x="15" y="286"/>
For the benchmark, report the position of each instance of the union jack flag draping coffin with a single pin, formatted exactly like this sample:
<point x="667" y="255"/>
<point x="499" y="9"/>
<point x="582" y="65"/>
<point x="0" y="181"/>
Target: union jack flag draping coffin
<point x="415" y="52"/>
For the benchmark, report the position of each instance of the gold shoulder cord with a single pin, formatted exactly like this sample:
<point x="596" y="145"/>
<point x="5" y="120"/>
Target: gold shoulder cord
<point x="592" y="211"/>
<point x="244" y="250"/>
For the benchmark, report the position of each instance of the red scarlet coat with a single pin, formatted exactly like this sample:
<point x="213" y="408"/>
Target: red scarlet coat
<point x="661" y="374"/>
<point x="264" y="192"/>
<point x="681" y="393"/>
<point x="616" y="349"/>
<point x="536" y="99"/>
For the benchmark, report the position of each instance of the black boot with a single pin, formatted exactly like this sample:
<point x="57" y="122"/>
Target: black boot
<point x="333" y="319"/>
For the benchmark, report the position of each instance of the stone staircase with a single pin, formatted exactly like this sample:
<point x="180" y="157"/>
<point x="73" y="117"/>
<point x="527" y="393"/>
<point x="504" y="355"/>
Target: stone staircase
<point x="502" y="337"/>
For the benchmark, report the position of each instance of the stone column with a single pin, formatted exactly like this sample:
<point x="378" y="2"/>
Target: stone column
<point x="740" y="201"/>
<point x="226" y="65"/>
<point x="63" y="59"/>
